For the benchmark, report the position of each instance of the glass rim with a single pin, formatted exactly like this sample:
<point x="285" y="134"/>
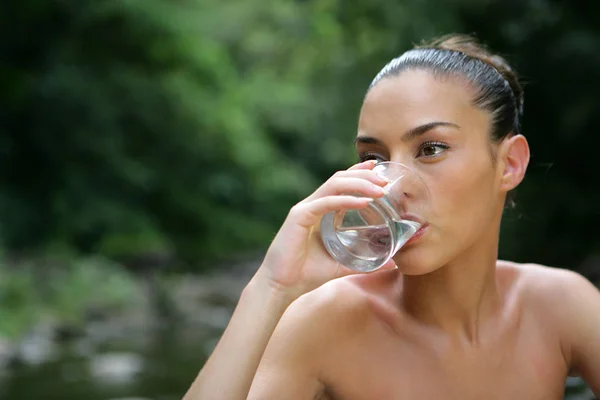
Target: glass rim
<point x="412" y="170"/>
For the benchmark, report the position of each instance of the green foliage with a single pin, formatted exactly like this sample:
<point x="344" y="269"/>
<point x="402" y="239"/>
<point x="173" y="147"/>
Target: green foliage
<point x="554" y="47"/>
<point x="89" y="284"/>
<point x="189" y="127"/>
<point x="62" y="294"/>
<point x="20" y="301"/>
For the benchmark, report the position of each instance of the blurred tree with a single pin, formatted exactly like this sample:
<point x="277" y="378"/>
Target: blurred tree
<point x="554" y="46"/>
<point x="191" y="127"/>
<point x="140" y="126"/>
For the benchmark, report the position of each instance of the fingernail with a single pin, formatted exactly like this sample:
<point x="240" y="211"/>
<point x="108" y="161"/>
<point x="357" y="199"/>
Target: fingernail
<point x="378" y="189"/>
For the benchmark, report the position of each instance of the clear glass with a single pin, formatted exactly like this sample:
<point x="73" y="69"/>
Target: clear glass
<point x="366" y="239"/>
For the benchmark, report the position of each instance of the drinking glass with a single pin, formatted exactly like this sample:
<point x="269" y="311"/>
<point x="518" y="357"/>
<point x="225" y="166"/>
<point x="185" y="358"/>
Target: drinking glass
<point x="366" y="239"/>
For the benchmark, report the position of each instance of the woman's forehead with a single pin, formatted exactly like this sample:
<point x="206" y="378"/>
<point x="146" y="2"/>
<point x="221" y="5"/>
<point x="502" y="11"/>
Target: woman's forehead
<point x="418" y="97"/>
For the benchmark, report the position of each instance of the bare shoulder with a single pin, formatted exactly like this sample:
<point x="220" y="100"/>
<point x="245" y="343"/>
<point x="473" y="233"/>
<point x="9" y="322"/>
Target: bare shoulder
<point x="322" y="312"/>
<point x="547" y="286"/>
<point x="567" y="307"/>
<point x="305" y="339"/>
<point x="312" y="335"/>
<point x="343" y="303"/>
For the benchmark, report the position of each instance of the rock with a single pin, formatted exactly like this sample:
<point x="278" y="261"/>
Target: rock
<point x="38" y="346"/>
<point x="209" y="345"/>
<point x="84" y="348"/>
<point x="116" y="368"/>
<point x="574" y="382"/>
<point x="577" y="389"/>
<point x="586" y="395"/>
<point x="209" y="317"/>
<point x="6" y="353"/>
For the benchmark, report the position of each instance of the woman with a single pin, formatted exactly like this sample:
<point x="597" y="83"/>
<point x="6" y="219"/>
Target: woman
<point x="450" y="320"/>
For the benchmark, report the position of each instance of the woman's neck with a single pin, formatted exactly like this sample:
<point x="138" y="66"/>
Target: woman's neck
<point x="457" y="297"/>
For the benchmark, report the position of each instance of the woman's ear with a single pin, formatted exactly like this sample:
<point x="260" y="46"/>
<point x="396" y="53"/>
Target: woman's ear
<point x="514" y="158"/>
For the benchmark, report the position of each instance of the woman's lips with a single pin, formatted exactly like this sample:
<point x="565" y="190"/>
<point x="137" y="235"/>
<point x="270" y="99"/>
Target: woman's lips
<point x="417" y="234"/>
<point x="412" y="217"/>
<point x="420" y="232"/>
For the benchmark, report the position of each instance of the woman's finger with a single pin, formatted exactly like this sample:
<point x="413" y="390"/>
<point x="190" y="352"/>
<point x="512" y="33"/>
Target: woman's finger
<point x="369" y="164"/>
<point x="334" y="186"/>
<point x="367" y="174"/>
<point x="309" y="213"/>
<point x="344" y="186"/>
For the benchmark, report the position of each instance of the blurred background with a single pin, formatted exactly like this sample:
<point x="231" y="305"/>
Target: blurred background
<point x="150" y="149"/>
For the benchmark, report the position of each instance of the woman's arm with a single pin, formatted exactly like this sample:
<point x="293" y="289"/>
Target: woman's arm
<point x="296" y="263"/>
<point x="229" y="371"/>
<point x="306" y="340"/>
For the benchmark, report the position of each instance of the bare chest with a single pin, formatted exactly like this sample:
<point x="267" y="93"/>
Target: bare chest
<point x="526" y="365"/>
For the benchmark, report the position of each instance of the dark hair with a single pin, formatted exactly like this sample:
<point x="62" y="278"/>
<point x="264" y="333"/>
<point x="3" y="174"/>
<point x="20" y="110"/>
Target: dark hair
<point x="497" y="87"/>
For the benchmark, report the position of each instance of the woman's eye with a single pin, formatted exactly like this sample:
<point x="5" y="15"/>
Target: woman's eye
<point x="371" y="156"/>
<point x="432" y="149"/>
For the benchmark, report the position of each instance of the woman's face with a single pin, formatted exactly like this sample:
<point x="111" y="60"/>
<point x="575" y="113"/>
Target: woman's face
<point x="430" y="125"/>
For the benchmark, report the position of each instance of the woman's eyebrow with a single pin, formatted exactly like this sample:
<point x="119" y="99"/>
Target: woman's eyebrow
<point x="421" y="129"/>
<point x="367" y="140"/>
<point x="408" y="135"/>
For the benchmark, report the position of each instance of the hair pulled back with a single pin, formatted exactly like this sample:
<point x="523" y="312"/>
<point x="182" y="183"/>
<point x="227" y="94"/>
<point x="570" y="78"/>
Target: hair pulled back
<point x="497" y="88"/>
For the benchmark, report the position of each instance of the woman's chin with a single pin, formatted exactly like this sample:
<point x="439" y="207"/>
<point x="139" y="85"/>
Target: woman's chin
<point x="413" y="263"/>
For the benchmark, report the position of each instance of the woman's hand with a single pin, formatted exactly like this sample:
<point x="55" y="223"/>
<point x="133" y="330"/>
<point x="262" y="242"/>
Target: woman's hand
<point x="297" y="261"/>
